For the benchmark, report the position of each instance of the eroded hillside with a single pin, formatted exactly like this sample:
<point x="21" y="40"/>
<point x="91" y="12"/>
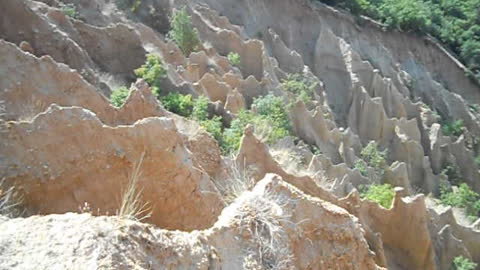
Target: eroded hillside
<point x="255" y="134"/>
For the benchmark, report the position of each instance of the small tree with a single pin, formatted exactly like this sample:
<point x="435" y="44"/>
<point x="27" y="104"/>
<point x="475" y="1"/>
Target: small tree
<point x="183" y="32"/>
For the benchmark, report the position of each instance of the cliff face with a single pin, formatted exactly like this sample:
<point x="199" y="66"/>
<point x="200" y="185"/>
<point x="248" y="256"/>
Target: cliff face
<point x="273" y="205"/>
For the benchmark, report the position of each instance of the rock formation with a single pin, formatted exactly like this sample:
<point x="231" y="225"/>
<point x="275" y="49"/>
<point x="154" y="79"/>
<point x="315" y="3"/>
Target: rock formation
<point x="69" y="155"/>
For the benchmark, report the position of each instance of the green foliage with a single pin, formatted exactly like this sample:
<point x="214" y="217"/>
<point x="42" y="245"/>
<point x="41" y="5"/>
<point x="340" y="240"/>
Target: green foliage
<point x="234" y="59"/>
<point x="374" y="157"/>
<point x="272" y="108"/>
<point x="381" y="194"/>
<point x="233" y="135"/>
<point x="463" y="197"/>
<point x="477" y="160"/>
<point x="453" y="173"/>
<point x="462" y="263"/>
<point x="132" y="5"/>
<point x="454" y="128"/>
<point x="405" y="14"/>
<point x="454" y="22"/>
<point x="118" y="96"/>
<point x="152" y="72"/>
<point x="183" y="32"/>
<point x="300" y="86"/>
<point x="70" y="10"/>
<point x="362" y="167"/>
<point x="178" y="103"/>
<point x="200" y="109"/>
<point x="214" y="126"/>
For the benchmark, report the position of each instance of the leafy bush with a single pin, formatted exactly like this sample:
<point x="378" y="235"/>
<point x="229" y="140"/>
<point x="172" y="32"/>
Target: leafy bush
<point x="152" y="72"/>
<point x="454" y="128"/>
<point x="200" y="109"/>
<point x="183" y="32"/>
<point x="463" y="197"/>
<point x="453" y="173"/>
<point x="234" y="58"/>
<point x="462" y="263"/>
<point x="70" y="10"/>
<point x="381" y="194"/>
<point x="233" y="135"/>
<point x="374" y="157"/>
<point x="271" y="112"/>
<point x="214" y="126"/>
<point x="178" y="103"/>
<point x="406" y="14"/>
<point x="300" y="86"/>
<point x="362" y="167"/>
<point x="118" y="96"/>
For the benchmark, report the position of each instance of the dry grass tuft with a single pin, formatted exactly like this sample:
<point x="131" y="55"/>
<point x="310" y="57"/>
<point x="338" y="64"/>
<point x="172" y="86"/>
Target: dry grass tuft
<point x="10" y="201"/>
<point x="132" y="206"/>
<point x="238" y="182"/>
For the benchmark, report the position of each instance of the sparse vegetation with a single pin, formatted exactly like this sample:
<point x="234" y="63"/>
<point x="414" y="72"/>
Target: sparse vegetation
<point x="70" y="10"/>
<point x="178" y="103"/>
<point x="454" y="128"/>
<point x="183" y="32"/>
<point x="381" y="194"/>
<point x="362" y="167"/>
<point x="118" y="96"/>
<point x="10" y="201"/>
<point x="132" y="5"/>
<point x="462" y="263"/>
<point x="200" y="109"/>
<point x="234" y="59"/>
<point x="152" y="72"/>
<point x="132" y="206"/>
<point x="453" y="173"/>
<point x="301" y="87"/>
<point x="463" y="197"/>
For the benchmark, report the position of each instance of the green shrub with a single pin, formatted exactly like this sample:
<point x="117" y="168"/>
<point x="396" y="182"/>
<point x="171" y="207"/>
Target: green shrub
<point x="233" y="135"/>
<point x="463" y="197"/>
<point x="200" y="109"/>
<point x="118" y="96"/>
<point x="406" y="14"/>
<point x="178" y="103"/>
<point x="234" y="59"/>
<point x="462" y="263"/>
<point x="362" y="167"/>
<point x="70" y="10"/>
<point x="374" y="157"/>
<point x="214" y="126"/>
<point x="454" y="128"/>
<point x="152" y="72"/>
<point x="183" y="32"/>
<point x="300" y="86"/>
<point x="133" y="5"/>
<point x="381" y="194"/>
<point x="453" y="173"/>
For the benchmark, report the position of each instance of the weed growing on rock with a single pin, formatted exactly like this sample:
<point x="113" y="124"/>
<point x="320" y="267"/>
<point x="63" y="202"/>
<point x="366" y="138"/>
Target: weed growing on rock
<point x="118" y="96"/>
<point x="183" y="32"/>
<point x="462" y="263"/>
<point x="362" y="167"/>
<point x="234" y="59"/>
<point x="131" y="206"/>
<point x="70" y="10"/>
<point x="152" y="72"/>
<point x="10" y="201"/>
<point x="463" y="197"/>
<point x="381" y="194"/>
